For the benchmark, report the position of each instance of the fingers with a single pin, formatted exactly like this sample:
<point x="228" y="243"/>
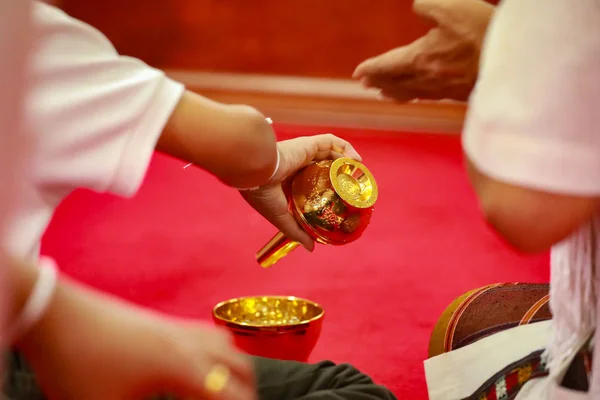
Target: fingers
<point x="272" y="204"/>
<point x="424" y="88"/>
<point x="299" y="152"/>
<point x="330" y="146"/>
<point x="395" y="89"/>
<point x="234" y="389"/>
<point x="290" y="228"/>
<point x="395" y="62"/>
<point x="307" y="149"/>
<point x="237" y="370"/>
<point x="206" y="365"/>
<point x="237" y="362"/>
<point x="217" y="380"/>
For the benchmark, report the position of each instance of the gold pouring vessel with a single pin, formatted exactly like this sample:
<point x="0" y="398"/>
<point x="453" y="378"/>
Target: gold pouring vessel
<point x="331" y="200"/>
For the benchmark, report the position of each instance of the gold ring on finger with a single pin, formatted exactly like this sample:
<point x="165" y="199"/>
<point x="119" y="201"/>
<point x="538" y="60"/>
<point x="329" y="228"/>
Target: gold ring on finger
<point x="217" y="378"/>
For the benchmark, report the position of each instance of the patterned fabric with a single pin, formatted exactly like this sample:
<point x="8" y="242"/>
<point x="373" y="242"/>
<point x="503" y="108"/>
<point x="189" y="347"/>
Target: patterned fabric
<point x="506" y="384"/>
<point x="494" y="308"/>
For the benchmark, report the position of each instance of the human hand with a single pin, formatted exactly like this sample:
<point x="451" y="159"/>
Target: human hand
<point x="270" y="200"/>
<point x="90" y="346"/>
<point x="443" y="64"/>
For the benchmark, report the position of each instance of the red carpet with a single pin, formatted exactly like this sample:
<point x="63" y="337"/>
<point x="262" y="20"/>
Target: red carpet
<point x="185" y="242"/>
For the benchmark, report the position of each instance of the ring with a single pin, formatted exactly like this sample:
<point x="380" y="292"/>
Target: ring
<point x="216" y="379"/>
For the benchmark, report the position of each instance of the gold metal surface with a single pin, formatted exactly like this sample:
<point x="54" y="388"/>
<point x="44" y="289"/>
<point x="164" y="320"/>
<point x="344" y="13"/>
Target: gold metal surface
<point x="332" y="201"/>
<point x="354" y="183"/>
<point x="268" y="311"/>
<point x="281" y="327"/>
<point x="216" y="379"/>
<point x="277" y="248"/>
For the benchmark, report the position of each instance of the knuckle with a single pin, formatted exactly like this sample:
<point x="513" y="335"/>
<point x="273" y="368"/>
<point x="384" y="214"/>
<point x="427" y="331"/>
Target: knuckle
<point x="312" y="150"/>
<point x="436" y="69"/>
<point x="181" y="352"/>
<point x="422" y="61"/>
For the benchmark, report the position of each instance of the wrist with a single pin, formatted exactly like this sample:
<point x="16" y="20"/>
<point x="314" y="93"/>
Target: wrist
<point x="273" y="174"/>
<point x="33" y="292"/>
<point x="469" y="18"/>
<point x="258" y="150"/>
<point x="233" y="142"/>
<point x="43" y="335"/>
<point x="481" y="13"/>
<point x="251" y="159"/>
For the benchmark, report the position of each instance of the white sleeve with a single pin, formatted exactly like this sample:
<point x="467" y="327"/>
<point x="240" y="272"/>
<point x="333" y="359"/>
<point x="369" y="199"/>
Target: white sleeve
<point x="534" y="115"/>
<point x="96" y="115"/>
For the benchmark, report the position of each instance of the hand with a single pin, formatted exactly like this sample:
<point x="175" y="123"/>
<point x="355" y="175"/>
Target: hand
<point x="443" y="64"/>
<point x="270" y="201"/>
<point x="90" y="346"/>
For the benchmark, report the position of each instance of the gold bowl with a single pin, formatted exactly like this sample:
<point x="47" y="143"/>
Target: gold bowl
<point x="280" y="327"/>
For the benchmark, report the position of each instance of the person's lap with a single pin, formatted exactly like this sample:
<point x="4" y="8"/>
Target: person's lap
<point x="474" y="316"/>
<point x="489" y="341"/>
<point x="509" y="322"/>
<point x="325" y="380"/>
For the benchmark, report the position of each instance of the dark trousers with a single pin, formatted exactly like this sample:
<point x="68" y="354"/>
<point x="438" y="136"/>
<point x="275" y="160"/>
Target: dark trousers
<point x="276" y="380"/>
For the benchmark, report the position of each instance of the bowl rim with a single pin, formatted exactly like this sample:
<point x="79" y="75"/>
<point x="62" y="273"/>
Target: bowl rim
<point x="335" y="166"/>
<point x="320" y="315"/>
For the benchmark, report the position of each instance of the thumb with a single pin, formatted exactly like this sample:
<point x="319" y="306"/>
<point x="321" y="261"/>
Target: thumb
<point x="394" y="62"/>
<point x="299" y="152"/>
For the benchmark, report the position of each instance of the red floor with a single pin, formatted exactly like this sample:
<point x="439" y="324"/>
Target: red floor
<point x="185" y="242"/>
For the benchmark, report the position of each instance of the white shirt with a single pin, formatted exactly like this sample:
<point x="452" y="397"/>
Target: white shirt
<point x="534" y="121"/>
<point x="95" y="116"/>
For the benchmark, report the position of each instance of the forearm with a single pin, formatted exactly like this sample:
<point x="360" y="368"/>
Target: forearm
<point x="233" y="142"/>
<point x="530" y="220"/>
<point x="69" y="301"/>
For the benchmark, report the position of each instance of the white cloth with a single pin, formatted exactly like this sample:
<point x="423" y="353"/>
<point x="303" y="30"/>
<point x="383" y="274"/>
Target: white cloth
<point x="95" y="117"/>
<point x="534" y="121"/>
<point x="458" y="374"/>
